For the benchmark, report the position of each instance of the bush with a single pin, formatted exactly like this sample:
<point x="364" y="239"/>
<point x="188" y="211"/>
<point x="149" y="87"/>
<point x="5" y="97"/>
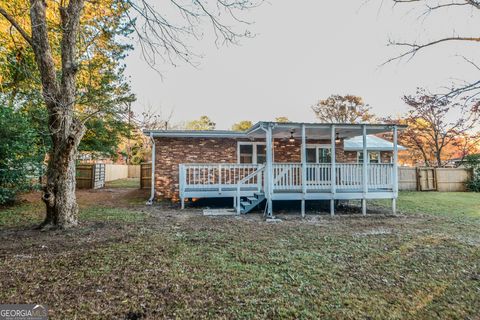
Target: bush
<point x="473" y="162"/>
<point x="20" y="160"/>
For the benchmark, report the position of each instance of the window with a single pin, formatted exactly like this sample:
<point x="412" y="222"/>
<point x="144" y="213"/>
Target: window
<point x="373" y="157"/>
<point x="261" y="153"/>
<point x="246" y="153"/>
<point x="252" y="152"/>
<point x="318" y="154"/>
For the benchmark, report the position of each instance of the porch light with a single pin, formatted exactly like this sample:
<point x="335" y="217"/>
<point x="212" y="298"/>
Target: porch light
<point x="291" y="139"/>
<point x="337" y="137"/>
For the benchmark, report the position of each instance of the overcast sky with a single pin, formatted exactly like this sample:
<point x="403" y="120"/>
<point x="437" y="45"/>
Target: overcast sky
<point x="306" y="50"/>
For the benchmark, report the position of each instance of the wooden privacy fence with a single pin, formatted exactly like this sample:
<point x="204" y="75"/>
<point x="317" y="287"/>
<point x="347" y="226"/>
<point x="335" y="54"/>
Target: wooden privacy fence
<point x="121" y="171"/>
<point x="432" y="179"/>
<point x="90" y="176"/>
<point x="145" y="175"/>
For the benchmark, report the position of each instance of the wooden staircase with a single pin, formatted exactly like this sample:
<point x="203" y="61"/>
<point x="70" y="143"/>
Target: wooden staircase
<point x="248" y="203"/>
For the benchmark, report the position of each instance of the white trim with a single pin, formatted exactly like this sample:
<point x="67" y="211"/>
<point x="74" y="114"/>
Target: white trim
<point x="254" y="149"/>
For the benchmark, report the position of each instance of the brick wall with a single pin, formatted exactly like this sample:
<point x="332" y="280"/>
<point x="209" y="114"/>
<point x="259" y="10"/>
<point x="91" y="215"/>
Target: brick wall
<point x="170" y="152"/>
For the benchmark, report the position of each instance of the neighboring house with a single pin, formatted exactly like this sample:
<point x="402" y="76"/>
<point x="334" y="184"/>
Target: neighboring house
<point x="379" y="150"/>
<point x="276" y="161"/>
<point x="457" y="162"/>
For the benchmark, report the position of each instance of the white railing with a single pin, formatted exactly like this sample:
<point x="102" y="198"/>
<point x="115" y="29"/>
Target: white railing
<point x="286" y="176"/>
<point x="349" y="176"/>
<point x="218" y="175"/>
<point x="318" y="176"/>
<point x="380" y="176"/>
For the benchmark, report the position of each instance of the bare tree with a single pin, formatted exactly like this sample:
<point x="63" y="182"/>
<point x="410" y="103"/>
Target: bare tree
<point x="343" y="109"/>
<point x="435" y="122"/>
<point x="413" y="48"/>
<point x="160" y="36"/>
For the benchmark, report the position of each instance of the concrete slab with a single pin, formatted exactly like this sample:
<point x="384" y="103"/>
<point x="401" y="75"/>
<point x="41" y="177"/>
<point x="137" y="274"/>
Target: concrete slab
<point x="219" y="212"/>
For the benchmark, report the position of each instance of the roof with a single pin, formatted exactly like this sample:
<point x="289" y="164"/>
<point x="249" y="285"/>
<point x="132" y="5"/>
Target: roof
<point x="196" y="133"/>
<point x="350" y="130"/>
<point x="374" y="143"/>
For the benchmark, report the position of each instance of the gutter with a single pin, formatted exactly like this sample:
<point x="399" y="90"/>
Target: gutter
<point x="152" y="188"/>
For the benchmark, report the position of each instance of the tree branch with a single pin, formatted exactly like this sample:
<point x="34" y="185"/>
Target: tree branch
<point x="17" y="26"/>
<point x="415" y="48"/>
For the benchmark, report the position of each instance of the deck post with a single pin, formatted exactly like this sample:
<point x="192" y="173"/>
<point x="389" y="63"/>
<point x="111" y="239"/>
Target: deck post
<point x="304" y="168"/>
<point x="333" y="173"/>
<point x="365" y="170"/>
<point x="219" y="178"/>
<point x="269" y="173"/>
<point x="395" y="169"/>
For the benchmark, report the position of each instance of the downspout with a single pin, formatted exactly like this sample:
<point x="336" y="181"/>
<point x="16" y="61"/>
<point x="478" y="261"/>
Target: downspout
<point x="152" y="188"/>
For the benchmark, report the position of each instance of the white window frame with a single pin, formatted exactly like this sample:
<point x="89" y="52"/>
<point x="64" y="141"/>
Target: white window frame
<point x="317" y="146"/>
<point x="254" y="148"/>
<point x="368" y="156"/>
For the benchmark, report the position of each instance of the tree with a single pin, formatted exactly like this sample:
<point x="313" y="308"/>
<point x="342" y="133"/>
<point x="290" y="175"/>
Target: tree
<point x="204" y="123"/>
<point x="282" y="119"/>
<point x="436" y="122"/>
<point x="242" y="125"/>
<point x="343" y="109"/>
<point x="466" y="7"/>
<point x="60" y="25"/>
<point x="104" y="90"/>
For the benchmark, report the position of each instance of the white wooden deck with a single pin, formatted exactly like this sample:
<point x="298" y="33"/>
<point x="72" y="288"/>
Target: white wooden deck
<point x="222" y="180"/>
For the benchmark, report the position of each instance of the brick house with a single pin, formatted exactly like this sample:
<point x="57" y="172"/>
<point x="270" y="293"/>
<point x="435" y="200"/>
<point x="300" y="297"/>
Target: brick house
<point x="216" y="163"/>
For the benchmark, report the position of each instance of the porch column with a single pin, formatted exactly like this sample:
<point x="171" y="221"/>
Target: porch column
<point x="333" y="172"/>
<point x="365" y="170"/>
<point x="269" y="171"/>
<point x="304" y="168"/>
<point x="395" y="169"/>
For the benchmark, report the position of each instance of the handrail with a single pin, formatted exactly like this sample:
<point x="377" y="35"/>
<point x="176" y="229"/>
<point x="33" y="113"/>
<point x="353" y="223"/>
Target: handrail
<point x="242" y="181"/>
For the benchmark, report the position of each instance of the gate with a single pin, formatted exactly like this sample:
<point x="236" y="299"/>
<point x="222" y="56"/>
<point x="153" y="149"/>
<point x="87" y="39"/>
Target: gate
<point x="426" y="179"/>
<point x="145" y="175"/>
<point x="90" y="176"/>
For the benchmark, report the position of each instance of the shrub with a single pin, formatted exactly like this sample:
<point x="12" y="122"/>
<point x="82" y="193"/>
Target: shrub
<point x="473" y="162"/>
<point x="19" y="158"/>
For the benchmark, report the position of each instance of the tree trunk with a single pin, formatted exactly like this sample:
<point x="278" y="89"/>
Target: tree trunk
<point x="59" y="93"/>
<point x="59" y="190"/>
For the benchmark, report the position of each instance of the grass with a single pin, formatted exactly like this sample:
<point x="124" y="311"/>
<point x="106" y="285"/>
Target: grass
<point x="130" y="262"/>
<point x="124" y="183"/>
<point x="438" y="203"/>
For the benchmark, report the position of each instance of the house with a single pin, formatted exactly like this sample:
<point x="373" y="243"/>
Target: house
<point x="276" y="161"/>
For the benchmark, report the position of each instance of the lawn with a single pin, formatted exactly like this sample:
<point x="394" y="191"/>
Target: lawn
<point x="454" y="204"/>
<point x="124" y="183"/>
<point x="128" y="261"/>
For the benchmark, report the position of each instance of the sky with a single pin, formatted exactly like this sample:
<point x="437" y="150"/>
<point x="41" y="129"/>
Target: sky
<point x="306" y="50"/>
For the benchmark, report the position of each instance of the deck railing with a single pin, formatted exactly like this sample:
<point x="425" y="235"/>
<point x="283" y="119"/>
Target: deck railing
<point x="216" y="175"/>
<point x="286" y="176"/>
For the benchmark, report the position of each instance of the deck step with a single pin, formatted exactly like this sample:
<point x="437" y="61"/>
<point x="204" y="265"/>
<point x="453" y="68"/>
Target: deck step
<point x="249" y="203"/>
